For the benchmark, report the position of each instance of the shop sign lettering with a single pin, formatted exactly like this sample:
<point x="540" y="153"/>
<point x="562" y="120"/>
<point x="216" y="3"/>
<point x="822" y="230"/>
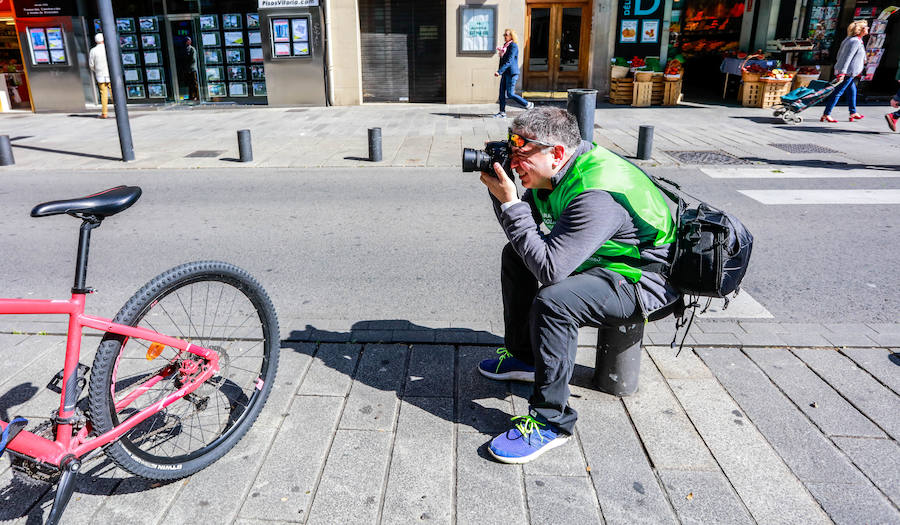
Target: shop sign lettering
<point x="644" y="12"/>
<point x="269" y="4"/>
<point x="41" y="8"/>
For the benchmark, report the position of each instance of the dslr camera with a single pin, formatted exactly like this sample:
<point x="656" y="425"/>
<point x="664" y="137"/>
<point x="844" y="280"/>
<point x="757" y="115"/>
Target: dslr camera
<point x="483" y="160"/>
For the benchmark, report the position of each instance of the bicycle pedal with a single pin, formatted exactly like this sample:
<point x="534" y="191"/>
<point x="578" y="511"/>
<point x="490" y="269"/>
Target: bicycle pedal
<point x="55" y="384"/>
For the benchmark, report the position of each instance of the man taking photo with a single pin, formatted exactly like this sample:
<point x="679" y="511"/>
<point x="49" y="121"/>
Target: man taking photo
<point x="610" y="236"/>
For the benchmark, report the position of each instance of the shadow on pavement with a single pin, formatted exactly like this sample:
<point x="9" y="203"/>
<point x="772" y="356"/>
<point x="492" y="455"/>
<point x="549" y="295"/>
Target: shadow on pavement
<point x="440" y="371"/>
<point x="386" y="356"/>
<point x="764" y="120"/>
<point x="64" y="152"/>
<point x="810" y="129"/>
<point x="829" y="164"/>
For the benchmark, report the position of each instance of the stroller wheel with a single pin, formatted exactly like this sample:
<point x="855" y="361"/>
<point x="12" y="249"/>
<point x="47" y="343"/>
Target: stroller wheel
<point x="779" y="111"/>
<point x="795" y="119"/>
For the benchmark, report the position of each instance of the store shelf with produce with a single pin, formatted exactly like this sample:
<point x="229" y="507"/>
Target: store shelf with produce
<point x="707" y="33"/>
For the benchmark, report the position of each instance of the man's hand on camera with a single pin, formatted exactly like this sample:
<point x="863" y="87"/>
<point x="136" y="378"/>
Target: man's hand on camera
<point x="500" y="185"/>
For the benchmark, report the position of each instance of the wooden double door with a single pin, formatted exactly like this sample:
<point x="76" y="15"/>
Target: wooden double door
<point x="557" y="45"/>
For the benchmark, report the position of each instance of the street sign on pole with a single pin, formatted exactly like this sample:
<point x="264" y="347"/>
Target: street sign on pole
<point x="117" y="81"/>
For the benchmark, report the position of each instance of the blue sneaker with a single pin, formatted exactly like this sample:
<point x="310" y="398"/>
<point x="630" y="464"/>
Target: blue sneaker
<point x="530" y="438"/>
<point x="506" y="368"/>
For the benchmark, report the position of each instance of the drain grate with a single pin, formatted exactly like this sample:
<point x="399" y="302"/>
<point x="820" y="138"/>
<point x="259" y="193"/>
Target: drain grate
<point x="803" y="148"/>
<point x="210" y="153"/>
<point x="705" y="157"/>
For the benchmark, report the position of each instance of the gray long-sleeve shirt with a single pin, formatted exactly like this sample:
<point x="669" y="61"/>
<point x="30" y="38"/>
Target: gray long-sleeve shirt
<point x="591" y="218"/>
<point x="851" y="57"/>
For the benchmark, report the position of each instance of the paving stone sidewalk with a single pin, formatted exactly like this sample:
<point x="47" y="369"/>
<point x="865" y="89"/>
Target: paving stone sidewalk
<point x="387" y="429"/>
<point x="432" y="135"/>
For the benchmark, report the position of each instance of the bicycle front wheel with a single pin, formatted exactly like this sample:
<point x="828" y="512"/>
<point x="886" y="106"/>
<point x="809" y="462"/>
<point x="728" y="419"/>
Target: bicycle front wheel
<point x="217" y="306"/>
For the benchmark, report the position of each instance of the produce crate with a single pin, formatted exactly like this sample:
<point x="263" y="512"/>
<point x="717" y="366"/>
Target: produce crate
<point x="751" y="94"/>
<point x="659" y="90"/>
<point x="748" y="76"/>
<point x="672" y="94"/>
<point x="772" y="91"/>
<point x="618" y="72"/>
<point x="643" y="94"/>
<point x="621" y="90"/>
<point x="803" y="80"/>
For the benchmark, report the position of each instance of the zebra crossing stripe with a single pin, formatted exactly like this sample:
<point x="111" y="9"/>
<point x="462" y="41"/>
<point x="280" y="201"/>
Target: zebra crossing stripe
<point x="798" y="173"/>
<point x="807" y="197"/>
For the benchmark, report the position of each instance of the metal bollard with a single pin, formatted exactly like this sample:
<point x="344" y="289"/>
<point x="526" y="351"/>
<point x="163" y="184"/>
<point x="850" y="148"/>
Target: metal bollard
<point x="645" y="142"/>
<point x="618" y="363"/>
<point x="375" y="144"/>
<point x="582" y="103"/>
<point x="6" y="154"/>
<point x="244" y="147"/>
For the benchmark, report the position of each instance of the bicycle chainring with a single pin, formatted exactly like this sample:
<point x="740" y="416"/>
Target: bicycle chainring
<point x="30" y="472"/>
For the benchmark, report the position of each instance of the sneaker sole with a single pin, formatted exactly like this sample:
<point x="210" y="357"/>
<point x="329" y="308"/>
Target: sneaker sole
<point x="558" y="442"/>
<point x="526" y="377"/>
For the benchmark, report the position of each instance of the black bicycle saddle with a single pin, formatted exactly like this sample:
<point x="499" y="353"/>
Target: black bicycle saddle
<point x="101" y="205"/>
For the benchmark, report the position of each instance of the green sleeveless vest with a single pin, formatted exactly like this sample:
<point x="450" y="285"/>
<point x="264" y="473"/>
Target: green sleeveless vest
<point x="600" y="169"/>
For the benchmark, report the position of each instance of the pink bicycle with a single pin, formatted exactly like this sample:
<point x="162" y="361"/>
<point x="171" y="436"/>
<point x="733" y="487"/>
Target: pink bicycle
<point x="160" y="406"/>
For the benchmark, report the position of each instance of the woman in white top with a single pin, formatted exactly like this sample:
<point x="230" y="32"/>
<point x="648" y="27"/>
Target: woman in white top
<point x="851" y="61"/>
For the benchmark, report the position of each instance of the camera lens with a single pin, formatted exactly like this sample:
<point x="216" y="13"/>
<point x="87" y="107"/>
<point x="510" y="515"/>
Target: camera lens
<point x="475" y="160"/>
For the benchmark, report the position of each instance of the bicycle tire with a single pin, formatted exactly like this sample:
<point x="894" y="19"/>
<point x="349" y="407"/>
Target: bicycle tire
<point x="150" y="449"/>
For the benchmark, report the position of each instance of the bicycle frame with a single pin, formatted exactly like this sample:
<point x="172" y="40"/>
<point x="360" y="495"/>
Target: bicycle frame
<point x="66" y="444"/>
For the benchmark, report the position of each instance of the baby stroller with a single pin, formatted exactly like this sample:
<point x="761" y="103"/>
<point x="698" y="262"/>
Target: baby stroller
<point x="801" y="98"/>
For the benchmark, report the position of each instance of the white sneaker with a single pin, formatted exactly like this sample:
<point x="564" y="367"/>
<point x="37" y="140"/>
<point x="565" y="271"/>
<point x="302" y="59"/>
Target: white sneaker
<point x="502" y="114"/>
<point x="529" y="106"/>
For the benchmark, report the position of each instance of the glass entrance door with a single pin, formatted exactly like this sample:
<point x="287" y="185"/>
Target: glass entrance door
<point x="557" y="46"/>
<point x="185" y="61"/>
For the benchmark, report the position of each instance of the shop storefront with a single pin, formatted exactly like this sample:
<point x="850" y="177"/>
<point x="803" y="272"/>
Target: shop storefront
<point x="12" y="68"/>
<point x="402" y="50"/>
<point x="882" y="47"/>
<point x="558" y="44"/>
<point x="173" y="53"/>
<point x="823" y="24"/>
<point x="704" y="32"/>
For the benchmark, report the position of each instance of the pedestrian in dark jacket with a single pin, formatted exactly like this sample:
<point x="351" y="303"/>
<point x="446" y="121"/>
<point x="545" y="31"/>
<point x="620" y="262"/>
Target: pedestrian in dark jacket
<point x="851" y="61"/>
<point x="509" y="72"/>
<point x="894" y="118"/>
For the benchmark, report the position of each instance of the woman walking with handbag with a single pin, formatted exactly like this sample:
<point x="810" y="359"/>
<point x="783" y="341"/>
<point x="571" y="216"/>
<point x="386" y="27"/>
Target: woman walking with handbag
<point x="509" y="72"/>
<point x="851" y="60"/>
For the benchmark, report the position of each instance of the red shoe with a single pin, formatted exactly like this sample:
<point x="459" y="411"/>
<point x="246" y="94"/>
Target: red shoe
<point x="827" y="118"/>
<point x="856" y="116"/>
<point x="892" y="121"/>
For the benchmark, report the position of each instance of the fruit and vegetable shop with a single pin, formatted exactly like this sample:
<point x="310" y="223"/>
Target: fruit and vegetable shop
<point x="749" y="51"/>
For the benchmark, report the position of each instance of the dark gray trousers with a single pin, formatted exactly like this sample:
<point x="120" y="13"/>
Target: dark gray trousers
<point x="542" y="325"/>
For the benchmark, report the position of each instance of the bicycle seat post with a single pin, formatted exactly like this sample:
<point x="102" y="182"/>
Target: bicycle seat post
<point x="84" y="241"/>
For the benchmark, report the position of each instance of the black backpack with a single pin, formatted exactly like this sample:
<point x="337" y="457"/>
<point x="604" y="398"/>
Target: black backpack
<point x="712" y="247"/>
<point x="712" y="251"/>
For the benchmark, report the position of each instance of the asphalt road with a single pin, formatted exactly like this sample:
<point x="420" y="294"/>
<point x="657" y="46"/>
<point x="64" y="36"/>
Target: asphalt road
<point x="413" y="244"/>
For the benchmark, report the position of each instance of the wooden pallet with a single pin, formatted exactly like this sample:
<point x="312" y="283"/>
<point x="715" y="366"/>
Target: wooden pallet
<point x="659" y="90"/>
<point x="621" y="90"/>
<point x="643" y="94"/>
<point x="672" y="93"/>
